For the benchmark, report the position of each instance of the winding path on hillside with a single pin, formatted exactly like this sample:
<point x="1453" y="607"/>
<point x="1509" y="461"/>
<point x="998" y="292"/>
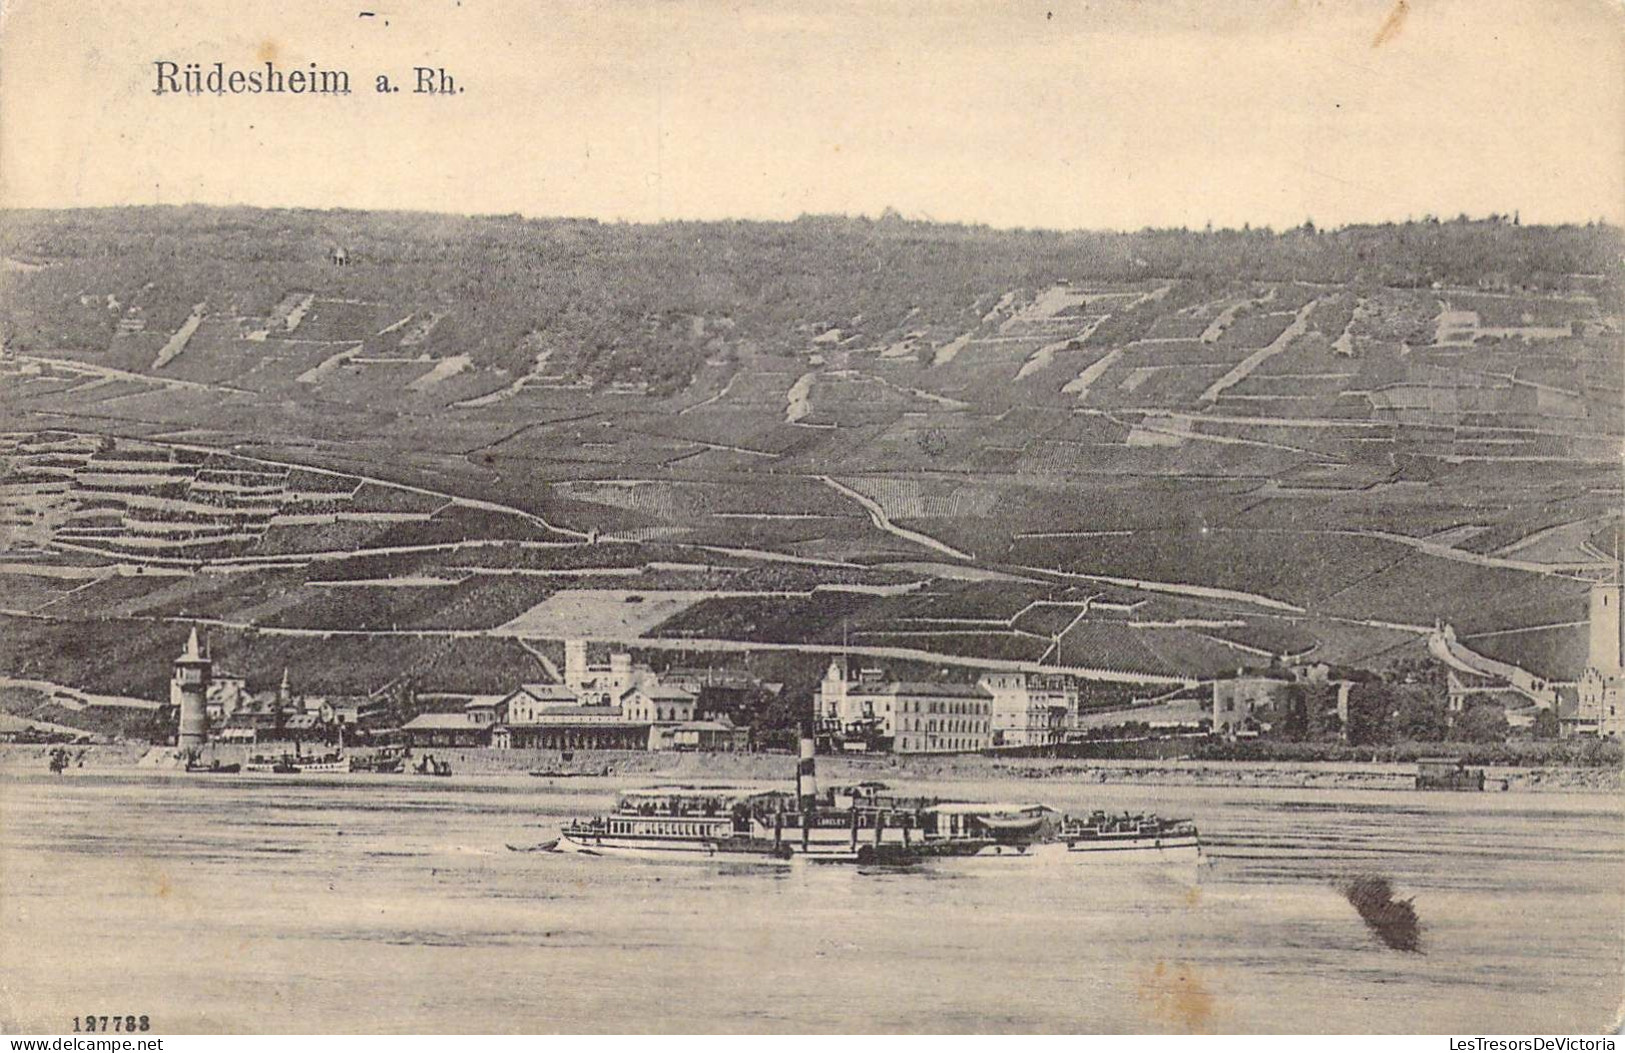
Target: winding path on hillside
<point x="1434" y="548"/>
<point x="73" y="698"/>
<point x="699" y="644"/>
<point x="878" y="517"/>
<point x="1205" y="592"/>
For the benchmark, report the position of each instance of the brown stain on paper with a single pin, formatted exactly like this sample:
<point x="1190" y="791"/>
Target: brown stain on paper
<point x="1174" y="995"/>
<point x="1392" y="24"/>
<point x="267" y="51"/>
<point x="158" y="882"/>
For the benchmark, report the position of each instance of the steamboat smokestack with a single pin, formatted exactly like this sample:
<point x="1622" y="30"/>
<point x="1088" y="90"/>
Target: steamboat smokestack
<point x="807" y="774"/>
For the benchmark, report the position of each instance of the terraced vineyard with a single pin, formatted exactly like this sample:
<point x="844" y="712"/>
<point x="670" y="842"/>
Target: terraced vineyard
<point x="1161" y="454"/>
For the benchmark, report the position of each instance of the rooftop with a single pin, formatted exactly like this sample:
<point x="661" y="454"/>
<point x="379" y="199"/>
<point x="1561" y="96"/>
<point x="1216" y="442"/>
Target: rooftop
<point x="565" y="714"/>
<point x="548" y="692"/>
<point x="441" y="722"/>
<point x="707" y="725"/>
<point x="663" y="691"/>
<point x="920" y="688"/>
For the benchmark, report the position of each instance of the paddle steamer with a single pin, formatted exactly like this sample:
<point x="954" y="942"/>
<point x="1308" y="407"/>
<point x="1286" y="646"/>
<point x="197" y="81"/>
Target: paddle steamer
<point x="299" y="763"/>
<point x="865" y="824"/>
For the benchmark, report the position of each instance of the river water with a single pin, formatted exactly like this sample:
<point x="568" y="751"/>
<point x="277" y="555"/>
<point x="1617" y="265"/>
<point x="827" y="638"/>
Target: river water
<point x="366" y="903"/>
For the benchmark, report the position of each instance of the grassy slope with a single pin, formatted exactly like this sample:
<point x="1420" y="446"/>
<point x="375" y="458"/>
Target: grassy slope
<point x="957" y="450"/>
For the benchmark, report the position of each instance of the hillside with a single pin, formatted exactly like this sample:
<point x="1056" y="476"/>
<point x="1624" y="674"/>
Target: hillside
<point x="1151" y="456"/>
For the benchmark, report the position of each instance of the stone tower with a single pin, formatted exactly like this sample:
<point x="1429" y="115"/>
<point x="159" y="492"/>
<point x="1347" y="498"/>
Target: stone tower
<point x="575" y="664"/>
<point x="1601" y="704"/>
<point x="1607" y="651"/>
<point x="189" y="691"/>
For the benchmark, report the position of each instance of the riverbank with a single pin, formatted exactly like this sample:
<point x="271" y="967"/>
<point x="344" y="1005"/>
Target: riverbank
<point x="779" y="767"/>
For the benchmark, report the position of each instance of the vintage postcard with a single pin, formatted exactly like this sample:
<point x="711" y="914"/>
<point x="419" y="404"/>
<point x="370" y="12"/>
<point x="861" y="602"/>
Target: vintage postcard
<point x="884" y="516"/>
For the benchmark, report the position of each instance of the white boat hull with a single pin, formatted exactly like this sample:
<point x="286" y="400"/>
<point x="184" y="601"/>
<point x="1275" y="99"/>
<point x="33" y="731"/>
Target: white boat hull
<point x="668" y="851"/>
<point x="1165" y="851"/>
<point x="1171" y="850"/>
<point x="324" y="768"/>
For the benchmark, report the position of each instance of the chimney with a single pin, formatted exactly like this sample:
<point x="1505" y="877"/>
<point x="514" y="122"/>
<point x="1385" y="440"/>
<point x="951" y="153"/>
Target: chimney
<point x="807" y="774"/>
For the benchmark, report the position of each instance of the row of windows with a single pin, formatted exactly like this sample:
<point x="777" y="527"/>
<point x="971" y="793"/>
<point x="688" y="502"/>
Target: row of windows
<point x="922" y="724"/>
<point x="672" y="829"/>
<point x="662" y="713"/>
<point x="955" y="708"/>
<point x="932" y="744"/>
<point x="525" y="715"/>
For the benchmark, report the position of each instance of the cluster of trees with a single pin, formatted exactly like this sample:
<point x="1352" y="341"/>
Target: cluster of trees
<point x="1382" y="712"/>
<point x="1407" y="703"/>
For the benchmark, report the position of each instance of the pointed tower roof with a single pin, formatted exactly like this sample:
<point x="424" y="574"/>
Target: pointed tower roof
<point x="196" y="653"/>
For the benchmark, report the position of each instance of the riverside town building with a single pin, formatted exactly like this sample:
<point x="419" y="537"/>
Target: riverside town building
<point x="616" y="705"/>
<point x="870" y="712"/>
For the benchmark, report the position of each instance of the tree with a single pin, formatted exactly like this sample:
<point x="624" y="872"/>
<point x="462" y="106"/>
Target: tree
<point x="1547" y="726"/>
<point x="1420" y="715"/>
<point x="1429" y="671"/>
<point x="779" y="723"/>
<point x="1486" y="722"/>
<point x="1293" y="722"/>
<point x="1307" y="713"/>
<point x="1324" y="720"/>
<point x="933" y="442"/>
<point x="1371" y="713"/>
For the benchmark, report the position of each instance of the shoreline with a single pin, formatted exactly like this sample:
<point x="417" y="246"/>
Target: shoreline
<point x="772" y="767"/>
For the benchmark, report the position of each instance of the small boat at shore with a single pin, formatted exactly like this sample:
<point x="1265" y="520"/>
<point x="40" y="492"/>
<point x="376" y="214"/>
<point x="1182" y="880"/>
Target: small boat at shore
<point x="1448" y="773"/>
<point x="390" y="760"/>
<point x="867" y="825"/>
<point x="196" y="767"/>
<point x="299" y="764"/>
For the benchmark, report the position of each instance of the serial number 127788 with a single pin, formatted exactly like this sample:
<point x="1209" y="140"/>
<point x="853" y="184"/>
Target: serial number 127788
<point x="111" y="1023"/>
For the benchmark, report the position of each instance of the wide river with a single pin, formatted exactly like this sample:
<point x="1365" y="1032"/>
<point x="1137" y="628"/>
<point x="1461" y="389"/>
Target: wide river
<point x="368" y="903"/>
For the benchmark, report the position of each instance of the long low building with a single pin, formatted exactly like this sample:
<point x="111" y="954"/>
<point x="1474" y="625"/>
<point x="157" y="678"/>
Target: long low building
<point x="446" y="730"/>
<point x="574" y="727"/>
<point x="710" y="736"/>
<point x="619" y="706"/>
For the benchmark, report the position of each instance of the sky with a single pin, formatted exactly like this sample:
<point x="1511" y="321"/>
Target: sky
<point x="1056" y="114"/>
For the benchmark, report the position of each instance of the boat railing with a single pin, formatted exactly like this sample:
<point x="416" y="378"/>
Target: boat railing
<point x="856" y="818"/>
<point x="709" y="809"/>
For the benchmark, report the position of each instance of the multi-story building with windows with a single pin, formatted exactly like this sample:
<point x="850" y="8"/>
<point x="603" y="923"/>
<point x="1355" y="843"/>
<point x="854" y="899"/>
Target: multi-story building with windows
<point x="1030" y="709"/>
<point x="904" y="716"/>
